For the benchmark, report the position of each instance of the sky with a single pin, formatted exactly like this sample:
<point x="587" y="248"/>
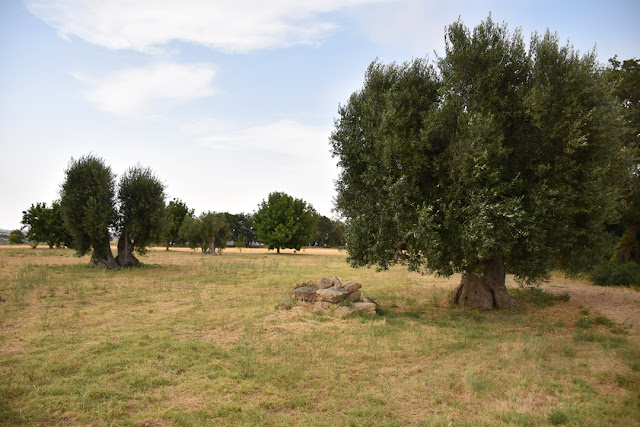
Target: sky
<point x="226" y="101"/>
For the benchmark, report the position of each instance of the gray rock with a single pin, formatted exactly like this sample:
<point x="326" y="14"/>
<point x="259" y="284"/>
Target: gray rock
<point x="322" y="305"/>
<point x="332" y="295"/>
<point x="308" y="283"/>
<point x="345" y="311"/>
<point x="367" y="299"/>
<point x="336" y="282"/>
<point x="304" y="293"/>
<point x="325" y="283"/>
<point x="353" y="296"/>
<point x="365" y="307"/>
<point x="352" y="286"/>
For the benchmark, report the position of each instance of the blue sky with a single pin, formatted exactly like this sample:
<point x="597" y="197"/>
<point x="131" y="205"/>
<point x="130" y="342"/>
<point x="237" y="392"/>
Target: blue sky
<point x="226" y="101"/>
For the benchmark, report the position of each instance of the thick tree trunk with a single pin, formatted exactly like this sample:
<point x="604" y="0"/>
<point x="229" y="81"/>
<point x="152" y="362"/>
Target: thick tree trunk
<point x="212" y="245"/>
<point x="106" y="260"/>
<point x="278" y="249"/>
<point x="125" y="256"/>
<point x="629" y="247"/>
<point x="487" y="291"/>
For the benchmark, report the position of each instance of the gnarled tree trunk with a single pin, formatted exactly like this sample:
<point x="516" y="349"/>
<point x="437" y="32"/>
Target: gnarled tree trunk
<point x="212" y="245"/>
<point x="487" y="291"/>
<point x="125" y="256"/>
<point x="105" y="260"/>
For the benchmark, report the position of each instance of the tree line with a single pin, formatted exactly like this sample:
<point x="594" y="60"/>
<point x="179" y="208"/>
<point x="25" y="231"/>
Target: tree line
<point x="93" y="208"/>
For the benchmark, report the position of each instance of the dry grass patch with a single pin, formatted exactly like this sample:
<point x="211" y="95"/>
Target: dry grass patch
<point x="191" y="339"/>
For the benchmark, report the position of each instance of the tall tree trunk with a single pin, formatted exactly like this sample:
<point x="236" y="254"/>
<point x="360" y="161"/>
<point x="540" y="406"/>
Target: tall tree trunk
<point x="629" y="247"/>
<point x="212" y="245"/>
<point x="487" y="291"/>
<point x="125" y="256"/>
<point x="107" y="260"/>
<point x="168" y="244"/>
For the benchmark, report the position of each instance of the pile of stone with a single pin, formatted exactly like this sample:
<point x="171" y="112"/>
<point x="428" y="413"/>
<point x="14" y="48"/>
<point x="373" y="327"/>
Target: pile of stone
<point x="328" y="293"/>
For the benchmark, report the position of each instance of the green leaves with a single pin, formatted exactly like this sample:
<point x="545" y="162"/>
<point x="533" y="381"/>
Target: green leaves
<point x="142" y="209"/>
<point x="504" y="154"/>
<point x="284" y="222"/>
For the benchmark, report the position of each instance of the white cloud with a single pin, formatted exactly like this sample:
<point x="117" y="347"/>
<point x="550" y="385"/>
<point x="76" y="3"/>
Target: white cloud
<point x="230" y="26"/>
<point x="132" y="91"/>
<point x="282" y="137"/>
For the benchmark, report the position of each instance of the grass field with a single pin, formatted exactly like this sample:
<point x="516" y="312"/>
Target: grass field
<point x="190" y="339"/>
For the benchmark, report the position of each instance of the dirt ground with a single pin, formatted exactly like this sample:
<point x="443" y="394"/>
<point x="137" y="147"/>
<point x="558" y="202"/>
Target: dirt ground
<point x="617" y="303"/>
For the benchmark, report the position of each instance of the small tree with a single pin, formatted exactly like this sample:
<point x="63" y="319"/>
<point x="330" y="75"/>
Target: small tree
<point x="16" y="237"/>
<point x="142" y="213"/>
<point x="284" y="222"/>
<point x="191" y="232"/>
<point x="215" y="230"/>
<point x="87" y="203"/>
<point x="242" y="227"/>
<point x="45" y="225"/>
<point x="177" y="211"/>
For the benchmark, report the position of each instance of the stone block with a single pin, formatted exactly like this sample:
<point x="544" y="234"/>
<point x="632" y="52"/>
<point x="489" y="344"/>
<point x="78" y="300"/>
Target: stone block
<point x="332" y="295"/>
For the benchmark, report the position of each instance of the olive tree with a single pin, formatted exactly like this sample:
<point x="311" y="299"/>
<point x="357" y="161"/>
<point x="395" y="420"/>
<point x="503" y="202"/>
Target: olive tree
<point x="141" y="215"/>
<point x="87" y="203"/>
<point x="496" y="159"/>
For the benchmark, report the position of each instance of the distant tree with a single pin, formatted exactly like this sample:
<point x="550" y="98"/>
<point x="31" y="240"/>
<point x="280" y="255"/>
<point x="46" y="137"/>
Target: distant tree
<point x="142" y="213"/>
<point x="216" y="233"/>
<point x="208" y="232"/>
<point x="177" y="211"/>
<point x="191" y="232"/>
<point x="323" y="227"/>
<point x="504" y="161"/>
<point x="284" y="222"/>
<point x="45" y="224"/>
<point x="336" y="235"/>
<point x="88" y="208"/>
<point x="241" y="227"/>
<point x="16" y="237"/>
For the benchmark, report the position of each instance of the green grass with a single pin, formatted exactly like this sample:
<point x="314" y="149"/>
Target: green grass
<point x="190" y="339"/>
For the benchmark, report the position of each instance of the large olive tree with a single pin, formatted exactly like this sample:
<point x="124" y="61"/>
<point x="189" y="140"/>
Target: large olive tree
<point x="87" y="203"/>
<point x="142" y="219"/>
<point x="497" y="159"/>
<point x="91" y="215"/>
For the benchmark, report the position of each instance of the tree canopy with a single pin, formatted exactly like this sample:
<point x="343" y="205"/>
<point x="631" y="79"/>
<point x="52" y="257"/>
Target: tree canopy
<point x="141" y="214"/>
<point x="494" y="160"/>
<point x="87" y="202"/>
<point x="209" y="231"/>
<point x="45" y="224"/>
<point x="177" y="211"/>
<point x="90" y="213"/>
<point x="284" y="222"/>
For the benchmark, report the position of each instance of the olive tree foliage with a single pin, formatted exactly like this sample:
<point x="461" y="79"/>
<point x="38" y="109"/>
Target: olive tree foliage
<point x="45" y="224"/>
<point x="142" y="214"/>
<point x="284" y="222"/>
<point x="208" y="232"/>
<point x="177" y="211"/>
<point x="494" y="160"/>
<point x="87" y="203"/>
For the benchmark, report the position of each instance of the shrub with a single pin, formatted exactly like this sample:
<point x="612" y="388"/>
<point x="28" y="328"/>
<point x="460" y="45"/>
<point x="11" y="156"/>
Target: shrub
<point x="615" y="274"/>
